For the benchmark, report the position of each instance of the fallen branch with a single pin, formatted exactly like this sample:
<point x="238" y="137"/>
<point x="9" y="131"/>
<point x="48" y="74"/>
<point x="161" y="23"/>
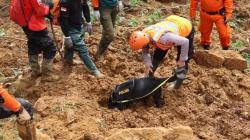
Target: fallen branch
<point x="3" y="37"/>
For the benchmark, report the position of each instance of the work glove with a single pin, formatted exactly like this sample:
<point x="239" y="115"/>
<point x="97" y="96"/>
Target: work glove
<point x="88" y="28"/>
<point x="180" y="75"/>
<point x="23" y="116"/>
<point x="68" y="42"/>
<point x="148" y="69"/>
<point x="97" y="14"/>
<point x="120" y="6"/>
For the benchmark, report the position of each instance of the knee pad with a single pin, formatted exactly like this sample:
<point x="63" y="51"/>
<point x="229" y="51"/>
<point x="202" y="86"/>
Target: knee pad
<point x="26" y="105"/>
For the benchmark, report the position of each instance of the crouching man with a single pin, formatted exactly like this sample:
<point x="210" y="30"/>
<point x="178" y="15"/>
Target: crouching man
<point x="22" y="109"/>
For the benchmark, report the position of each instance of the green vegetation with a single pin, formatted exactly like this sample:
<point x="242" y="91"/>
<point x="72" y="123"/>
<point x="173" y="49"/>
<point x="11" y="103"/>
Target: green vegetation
<point x="120" y="20"/>
<point x="133" y="22"/>
<point x="135" y="3"/>
<point x="2" y="134"/>
<point x="247" y="57"/>
<point x="61" y="108"/>
<point x="236" y="45"/>
<point x="154" y="17"/>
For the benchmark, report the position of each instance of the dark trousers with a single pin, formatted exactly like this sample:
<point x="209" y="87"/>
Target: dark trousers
<point x="40" y="42"/>
<point x="108" y="18"/>
<point x="5" y="113"/>
<point x="76" y="34"/>
<point x="160" y="54"/>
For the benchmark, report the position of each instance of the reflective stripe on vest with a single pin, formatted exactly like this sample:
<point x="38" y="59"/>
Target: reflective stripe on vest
<point x="157" y="30"/>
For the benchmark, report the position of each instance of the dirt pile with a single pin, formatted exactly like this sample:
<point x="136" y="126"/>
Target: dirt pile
<point x="155" y="133"/>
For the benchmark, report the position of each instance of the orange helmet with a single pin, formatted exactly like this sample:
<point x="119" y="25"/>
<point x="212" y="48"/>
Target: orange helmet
<point x="138" y="40"/>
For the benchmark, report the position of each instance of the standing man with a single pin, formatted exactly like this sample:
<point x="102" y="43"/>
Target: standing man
<point x="22" y="109"/>
<point x="107" y="11"/>
<point x="213" y="11"/>
<point x="72" y="25"/>
<point x="172" y="31"/>
<point x="30" y="15"/>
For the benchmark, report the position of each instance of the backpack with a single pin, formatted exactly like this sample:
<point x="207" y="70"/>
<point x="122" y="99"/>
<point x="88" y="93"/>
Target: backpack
<point x="17" y="13"/>
<point x="55" y="11"/>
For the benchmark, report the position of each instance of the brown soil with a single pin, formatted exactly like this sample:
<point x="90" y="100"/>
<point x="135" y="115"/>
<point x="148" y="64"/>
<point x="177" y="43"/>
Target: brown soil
<point x="214" y="102"/>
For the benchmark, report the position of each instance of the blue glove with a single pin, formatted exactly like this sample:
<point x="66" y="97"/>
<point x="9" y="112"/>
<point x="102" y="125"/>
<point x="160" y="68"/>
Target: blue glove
<point x="88" y="27"/>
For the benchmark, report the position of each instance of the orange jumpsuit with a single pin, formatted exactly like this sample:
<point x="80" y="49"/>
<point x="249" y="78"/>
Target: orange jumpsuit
<point x="8" y="101"/>
<point x="209" y="14"/>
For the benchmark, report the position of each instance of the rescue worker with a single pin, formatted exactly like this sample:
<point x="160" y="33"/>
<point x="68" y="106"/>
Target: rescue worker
<point x="107" y="11"/>
<point x="30" y="15"/>
<point x="173" y="31"/>
<point x="72" y="23"/>
<point x="22" y="109"/>
<point x="217" y="12"/>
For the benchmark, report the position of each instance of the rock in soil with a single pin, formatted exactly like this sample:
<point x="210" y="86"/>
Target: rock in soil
<point x="208" y="58"/>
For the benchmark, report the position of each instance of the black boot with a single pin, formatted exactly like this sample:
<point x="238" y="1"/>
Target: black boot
<point x="206" y="47"/>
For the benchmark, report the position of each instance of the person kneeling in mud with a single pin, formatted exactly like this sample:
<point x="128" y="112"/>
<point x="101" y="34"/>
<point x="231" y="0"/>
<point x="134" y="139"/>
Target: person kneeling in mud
<point x="22" y="109"/>
<point x="173" y="31"/>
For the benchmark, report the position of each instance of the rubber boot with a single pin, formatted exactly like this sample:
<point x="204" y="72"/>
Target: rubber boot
<point x="206" y="47"/>
<point x="225" y="47"/>
<point x="98" y="74"/>
<point x="99" y="55"/>
<point x="27" y="131"/>
<point x="47" y="71"/>
<point x="35" y="67"/>
<point x="28" y="80"/>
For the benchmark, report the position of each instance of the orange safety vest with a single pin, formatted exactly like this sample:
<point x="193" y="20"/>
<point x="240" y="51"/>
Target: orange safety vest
<point x="174" y="24"/>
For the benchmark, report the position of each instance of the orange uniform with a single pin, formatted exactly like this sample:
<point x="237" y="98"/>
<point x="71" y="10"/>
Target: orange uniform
<point x="211" y="11"/>
<point x="8" y="101"/>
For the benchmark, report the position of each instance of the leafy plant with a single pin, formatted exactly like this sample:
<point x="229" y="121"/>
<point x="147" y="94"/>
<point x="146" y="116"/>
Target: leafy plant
<point x="2" y="33"/>
<point x="247" y="57"/>
<point x="236" y="45"/>
<point x="154" y="17"/>
<point x="134" y="3"/>
<point x="120" y="20"/>
<point x="132" y="22"/>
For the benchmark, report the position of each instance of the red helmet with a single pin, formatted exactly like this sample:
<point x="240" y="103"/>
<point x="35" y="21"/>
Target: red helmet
<point x="138" y="40"/>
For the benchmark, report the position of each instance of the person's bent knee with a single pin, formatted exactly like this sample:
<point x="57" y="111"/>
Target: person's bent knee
<point x="26" y="105"/>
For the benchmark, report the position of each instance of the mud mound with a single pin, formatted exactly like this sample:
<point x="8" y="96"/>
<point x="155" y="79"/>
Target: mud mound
<point x="156" y="133"/>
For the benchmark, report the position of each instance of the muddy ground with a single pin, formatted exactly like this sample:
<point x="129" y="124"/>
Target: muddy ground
<point x="214" y="102"/>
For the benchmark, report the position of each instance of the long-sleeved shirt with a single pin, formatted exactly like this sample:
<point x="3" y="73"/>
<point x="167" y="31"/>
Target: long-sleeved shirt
<point x="173" y="39"/>
<point x="71" y="14"/>
<point x="8" y="101"/>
